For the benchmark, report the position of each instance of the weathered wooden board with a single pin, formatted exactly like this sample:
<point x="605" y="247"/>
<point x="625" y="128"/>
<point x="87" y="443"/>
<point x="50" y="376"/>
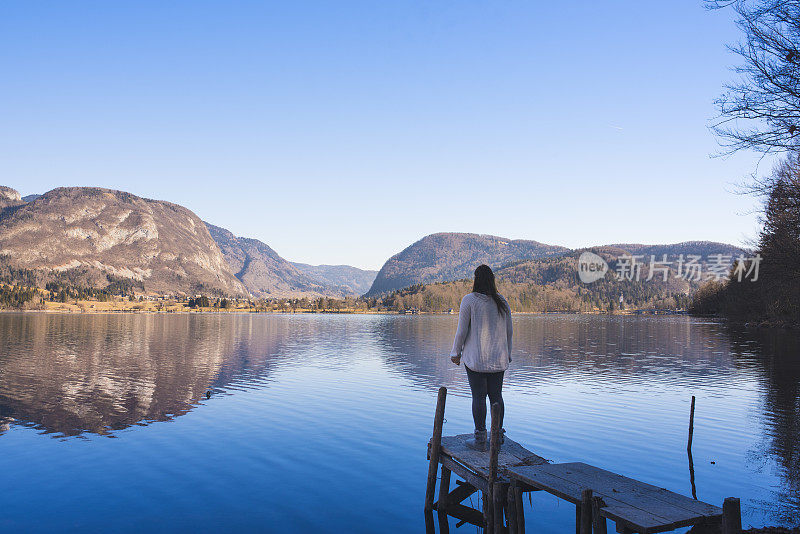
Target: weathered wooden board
<point x="645" y="490"/>
<point x="644" y="507"/>
<point x="511" y="454"/>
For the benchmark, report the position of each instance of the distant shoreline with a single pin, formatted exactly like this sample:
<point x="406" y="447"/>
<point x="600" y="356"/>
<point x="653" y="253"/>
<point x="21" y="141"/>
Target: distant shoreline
<point x="241" y="311"/>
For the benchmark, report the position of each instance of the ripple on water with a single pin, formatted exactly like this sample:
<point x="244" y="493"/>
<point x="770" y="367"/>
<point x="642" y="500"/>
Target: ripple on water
<point x="310" y="414"/>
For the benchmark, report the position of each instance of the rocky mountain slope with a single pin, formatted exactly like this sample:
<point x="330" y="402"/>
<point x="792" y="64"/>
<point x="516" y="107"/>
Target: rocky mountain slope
<point x="9" y="198"/>
<point x="94" y="232"/>
<point x="699" y="248"/>
<point x="350" y="279"/>
<point x="552" y="283"/>
<point x="263" y="271"/>
<point x="452" y="256"/>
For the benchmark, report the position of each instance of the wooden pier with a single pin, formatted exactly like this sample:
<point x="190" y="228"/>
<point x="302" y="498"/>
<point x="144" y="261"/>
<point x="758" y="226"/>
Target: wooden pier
<point x="505" y="471"/>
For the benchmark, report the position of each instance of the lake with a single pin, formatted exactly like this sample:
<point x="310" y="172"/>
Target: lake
<point x="319" y="423"/>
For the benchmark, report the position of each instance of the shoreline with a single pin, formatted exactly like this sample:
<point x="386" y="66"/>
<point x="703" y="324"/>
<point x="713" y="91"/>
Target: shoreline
<point x="244" y="311"/>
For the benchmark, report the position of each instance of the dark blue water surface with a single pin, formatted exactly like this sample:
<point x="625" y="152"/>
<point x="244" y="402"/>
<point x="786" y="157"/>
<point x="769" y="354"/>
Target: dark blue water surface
<point x="319" y="423"/>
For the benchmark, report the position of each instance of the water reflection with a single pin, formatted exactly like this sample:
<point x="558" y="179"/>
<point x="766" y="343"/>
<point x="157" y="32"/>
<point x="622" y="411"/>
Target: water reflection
<point x="320" y="403"/>
<point x="645" y="361"/>
<point x="775" y="354"/>
<point x="554" y="347"/>
<point x="101" y="373"/>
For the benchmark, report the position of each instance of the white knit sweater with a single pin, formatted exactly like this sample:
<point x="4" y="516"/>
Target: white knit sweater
<point x="483" y="338"/>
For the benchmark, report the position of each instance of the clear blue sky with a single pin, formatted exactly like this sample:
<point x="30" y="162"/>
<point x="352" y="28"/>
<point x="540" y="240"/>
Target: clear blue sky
<point x="341" y="132"/>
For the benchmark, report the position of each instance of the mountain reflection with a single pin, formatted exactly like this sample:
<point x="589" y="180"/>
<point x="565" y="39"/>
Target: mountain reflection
<point x="68" y="374"/>
<point x="674" y="354"/>
<point x="552" y="347"/>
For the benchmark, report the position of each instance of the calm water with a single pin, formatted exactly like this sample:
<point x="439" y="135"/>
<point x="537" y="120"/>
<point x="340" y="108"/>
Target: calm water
<point x="320" y="423"/>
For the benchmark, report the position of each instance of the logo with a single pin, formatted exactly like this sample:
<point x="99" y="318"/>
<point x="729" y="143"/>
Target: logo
<point x="591" y="267"/>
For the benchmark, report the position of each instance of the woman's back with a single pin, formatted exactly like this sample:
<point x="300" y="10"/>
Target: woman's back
<point x="484" y="334"/>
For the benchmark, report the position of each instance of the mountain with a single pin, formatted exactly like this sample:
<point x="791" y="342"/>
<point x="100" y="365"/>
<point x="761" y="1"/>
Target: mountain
<point x="266" y="274"/>
<point x="94" y="232"/>
<point x="9" y="198"/>
<point x="552" y="284"/>
<point x="451" y="256"/>
<point x="699" y="248"/>
<point x="353" y="280"/>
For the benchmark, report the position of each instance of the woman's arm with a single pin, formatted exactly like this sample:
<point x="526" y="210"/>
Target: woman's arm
<point x="463" y="328"/>
<point x="509" y="330"/>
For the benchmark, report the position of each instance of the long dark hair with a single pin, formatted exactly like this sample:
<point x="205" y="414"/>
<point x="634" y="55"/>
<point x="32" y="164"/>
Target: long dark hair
<point x="484" y="284"/>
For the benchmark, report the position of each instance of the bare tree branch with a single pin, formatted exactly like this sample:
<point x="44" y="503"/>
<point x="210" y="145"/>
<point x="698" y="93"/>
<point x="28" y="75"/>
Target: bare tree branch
<point x="761" y="112"/>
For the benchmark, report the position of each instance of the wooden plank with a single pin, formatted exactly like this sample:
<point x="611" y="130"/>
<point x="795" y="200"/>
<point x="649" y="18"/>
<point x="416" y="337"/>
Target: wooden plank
<point x="567" y="480"/>
<point x="638" y="520"/>
<point x="464" y="490"/>
<point x="465" y="513"/>
<point x="465" y="473"/>
<point x="633" y="487"/>
<point x="570" y="489"/>
<point x="511" y="454"/>
<point x="538" y="478"/>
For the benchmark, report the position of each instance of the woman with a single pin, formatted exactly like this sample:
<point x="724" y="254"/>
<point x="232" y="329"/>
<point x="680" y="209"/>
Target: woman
<point x="483" y="341"/>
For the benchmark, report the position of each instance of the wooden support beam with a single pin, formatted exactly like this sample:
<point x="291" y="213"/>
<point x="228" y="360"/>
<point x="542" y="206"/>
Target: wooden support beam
<point x="511" y="509"/>
<point x="520" y="507"/>
<point x="511" y="513"/>
<point x="464" y="490"/>
<point x="430" y="526"/>
<point x="444" y="490"/>
<point x="463" y="472"/>
<point x="494" y="453"/>
<point x="586" y="512"/>
<point x="485" y="509"/>
<point x="731" y="516"/>
<point x="499" y="501"/>
<point x="444" y="523"/>
<point x="598" y="521"/>
<point x="578" y="518"/>
<point x="465" y="513"/>
<point x="436" y="444"/>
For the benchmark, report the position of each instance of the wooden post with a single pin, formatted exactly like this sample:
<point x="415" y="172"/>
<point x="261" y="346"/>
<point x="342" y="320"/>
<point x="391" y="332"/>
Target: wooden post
<point x="436" y="444"/>
<point x="444" y="490"/>
<point x="578" y="518"/>
<point x="444" y="525"/>
<point x="598" y="521"/>
<point x="430" y="527"/>
<point x="691" y="427"/>
<point x="499" y="502"/>
<point x="731" y="516"/>
<point x="494" y="452"/>
<point x="586" y="511"/>
<point x="520" y="508"/>
<point x="511" y="510"/>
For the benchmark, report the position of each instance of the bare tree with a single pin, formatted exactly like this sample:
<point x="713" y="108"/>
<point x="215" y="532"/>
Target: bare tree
<point x="761" y="110"/>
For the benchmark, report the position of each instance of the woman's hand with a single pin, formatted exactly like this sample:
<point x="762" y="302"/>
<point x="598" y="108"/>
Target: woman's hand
<point x="456" y="359"/>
